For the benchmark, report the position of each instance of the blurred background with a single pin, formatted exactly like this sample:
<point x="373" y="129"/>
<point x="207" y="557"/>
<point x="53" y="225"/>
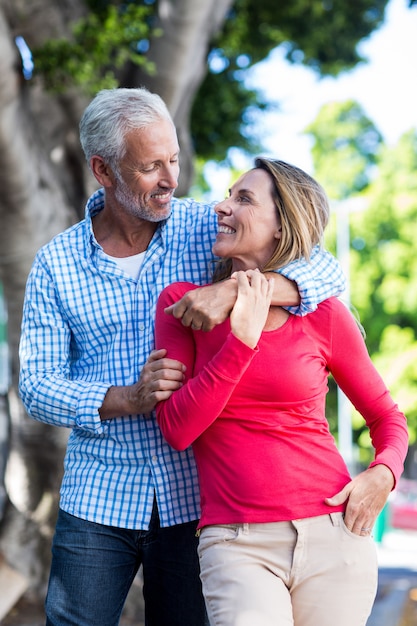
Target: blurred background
<point x="324" y="84"/>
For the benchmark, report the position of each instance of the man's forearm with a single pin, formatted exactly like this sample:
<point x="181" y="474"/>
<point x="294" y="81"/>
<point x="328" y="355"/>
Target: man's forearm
<point x="285" y="291"/>
<point x="115" y="403"/>
<point x="205" y="307"/>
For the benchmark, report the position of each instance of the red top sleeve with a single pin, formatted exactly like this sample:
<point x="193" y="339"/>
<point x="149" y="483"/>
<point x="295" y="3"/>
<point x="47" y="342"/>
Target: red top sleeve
<point x="190" y="410"/>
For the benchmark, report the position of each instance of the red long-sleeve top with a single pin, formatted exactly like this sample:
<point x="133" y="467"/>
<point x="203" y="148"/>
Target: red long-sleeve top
<point x="256" y="417"/>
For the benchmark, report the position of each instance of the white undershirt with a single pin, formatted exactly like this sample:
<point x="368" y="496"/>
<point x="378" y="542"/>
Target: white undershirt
<point x="129" y="264"/>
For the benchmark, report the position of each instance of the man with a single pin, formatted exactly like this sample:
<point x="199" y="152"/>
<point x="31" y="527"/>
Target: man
<point x="87" y="363"/>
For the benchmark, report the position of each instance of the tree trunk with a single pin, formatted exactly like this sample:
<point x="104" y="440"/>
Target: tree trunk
<point x="45" y="182"/>
<point x="180" y="57"/>
<point x="33" y="208"/>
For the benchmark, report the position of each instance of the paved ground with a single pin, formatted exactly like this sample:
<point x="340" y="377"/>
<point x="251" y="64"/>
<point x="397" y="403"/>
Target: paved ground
<point x="26" y="613"/>
<point x="29" y="613"/>
<point x="396" y="602"/>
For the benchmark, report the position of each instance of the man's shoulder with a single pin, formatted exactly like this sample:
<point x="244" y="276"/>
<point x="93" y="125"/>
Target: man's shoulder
<point x="192" y="217"/>
<point x="181" y="206"/>
<point x="188" y="201"/>
<point x="71" y="237"/>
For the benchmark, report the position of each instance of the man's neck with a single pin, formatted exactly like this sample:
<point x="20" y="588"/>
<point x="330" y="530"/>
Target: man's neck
<point x="124" y="236"/>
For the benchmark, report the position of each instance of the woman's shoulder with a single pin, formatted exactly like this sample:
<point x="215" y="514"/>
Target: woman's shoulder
<point x="175" y="291"/>
<point x="333" y="311"/>
<point x="326" y="312"/>
<point x="330" y="305"/>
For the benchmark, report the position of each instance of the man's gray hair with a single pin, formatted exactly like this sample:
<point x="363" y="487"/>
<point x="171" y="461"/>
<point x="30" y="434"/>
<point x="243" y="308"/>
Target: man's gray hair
<point x="112" y="114"/>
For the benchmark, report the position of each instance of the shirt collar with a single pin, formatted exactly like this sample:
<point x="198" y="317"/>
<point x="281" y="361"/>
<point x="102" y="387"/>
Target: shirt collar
<point x="94" y="205"/>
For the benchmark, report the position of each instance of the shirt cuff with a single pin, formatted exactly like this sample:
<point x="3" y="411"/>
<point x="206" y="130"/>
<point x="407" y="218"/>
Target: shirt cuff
<point x="89" y="403"/>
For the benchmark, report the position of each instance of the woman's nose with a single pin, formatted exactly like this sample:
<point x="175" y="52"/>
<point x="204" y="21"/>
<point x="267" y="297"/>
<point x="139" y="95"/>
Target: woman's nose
<point x="223" y="207"/>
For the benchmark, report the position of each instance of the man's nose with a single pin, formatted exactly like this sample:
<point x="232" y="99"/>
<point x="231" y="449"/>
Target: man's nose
<point x="170" y="176"/>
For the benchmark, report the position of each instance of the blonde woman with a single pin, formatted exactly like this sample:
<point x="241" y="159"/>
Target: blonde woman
<point x="285" y="530"/>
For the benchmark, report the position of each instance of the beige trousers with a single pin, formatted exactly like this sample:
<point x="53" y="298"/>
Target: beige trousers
<point x="309" y="572"/>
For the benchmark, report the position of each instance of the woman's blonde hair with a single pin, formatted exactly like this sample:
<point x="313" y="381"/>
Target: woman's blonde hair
<point x="303" y="212"/>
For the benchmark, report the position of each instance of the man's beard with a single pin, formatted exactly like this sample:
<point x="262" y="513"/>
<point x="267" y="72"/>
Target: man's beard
<point x="131" y="203"/>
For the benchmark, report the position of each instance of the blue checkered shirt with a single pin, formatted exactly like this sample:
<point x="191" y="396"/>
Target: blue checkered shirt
<point x="87" y="326"/>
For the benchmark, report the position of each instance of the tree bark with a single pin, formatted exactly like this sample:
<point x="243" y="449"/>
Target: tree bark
<point x="45" y="182"/>
<point x="33" y="207"/>
<point x="180" y="57"/>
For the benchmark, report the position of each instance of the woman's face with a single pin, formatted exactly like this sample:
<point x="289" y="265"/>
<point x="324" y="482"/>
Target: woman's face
<point x="248" y="223"/>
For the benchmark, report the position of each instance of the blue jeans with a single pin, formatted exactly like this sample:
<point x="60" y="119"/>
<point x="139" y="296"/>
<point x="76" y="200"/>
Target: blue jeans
<point x="93" y="567"/>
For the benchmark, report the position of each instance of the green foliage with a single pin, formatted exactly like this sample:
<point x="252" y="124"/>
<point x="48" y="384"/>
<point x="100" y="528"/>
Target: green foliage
<point x="102" y="43"/>
<point x="384" y="272"/>
<point x="321" y="35"/>
<point x="200" y="186"/>
<point x="388" y="230"/>
<point x="218" y="123"/>
<point x="397" y="362"/>
<point x="383" y="262"/>
<point x="345" y="147"/>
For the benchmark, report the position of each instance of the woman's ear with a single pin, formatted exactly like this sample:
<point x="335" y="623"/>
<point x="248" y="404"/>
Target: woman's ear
<point x="278" y="233"/>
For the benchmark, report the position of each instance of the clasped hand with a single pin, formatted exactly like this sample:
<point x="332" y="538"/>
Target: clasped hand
<point x="250" y="312"/>
<point x="159" y="378"/>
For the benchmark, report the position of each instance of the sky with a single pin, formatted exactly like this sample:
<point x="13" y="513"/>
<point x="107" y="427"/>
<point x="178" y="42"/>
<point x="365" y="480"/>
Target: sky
<point x="386" y="88"/>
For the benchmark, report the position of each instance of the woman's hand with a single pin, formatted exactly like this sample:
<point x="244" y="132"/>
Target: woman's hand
<point x="366" y="496"/>
<point x="250" y="312"/>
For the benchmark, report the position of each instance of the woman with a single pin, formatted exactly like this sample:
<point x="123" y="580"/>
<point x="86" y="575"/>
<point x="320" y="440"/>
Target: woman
<point x="285" y="532"/>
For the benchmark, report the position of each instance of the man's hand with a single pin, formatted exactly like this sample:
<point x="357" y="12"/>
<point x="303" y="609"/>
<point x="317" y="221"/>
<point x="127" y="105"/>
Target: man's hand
<point x="159" y="378"/>
<point x="366" y="496"/>
<point x="205" y="307"/>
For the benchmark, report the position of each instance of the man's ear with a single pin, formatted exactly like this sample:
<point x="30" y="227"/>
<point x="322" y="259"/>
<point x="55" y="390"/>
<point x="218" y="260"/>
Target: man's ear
<point x="102" y="171"/>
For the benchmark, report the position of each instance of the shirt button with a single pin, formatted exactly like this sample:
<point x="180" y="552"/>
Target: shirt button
<point x="154" y="458"/>
<point x="141" y="326"/>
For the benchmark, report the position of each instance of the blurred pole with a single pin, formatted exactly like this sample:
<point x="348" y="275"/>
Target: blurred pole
<point x="4" y="347"/>
<point x="4" y="413"/>
<point x="344" y="416"/>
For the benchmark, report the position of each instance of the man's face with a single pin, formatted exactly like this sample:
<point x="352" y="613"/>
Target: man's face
<point x="148" y="173"/>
